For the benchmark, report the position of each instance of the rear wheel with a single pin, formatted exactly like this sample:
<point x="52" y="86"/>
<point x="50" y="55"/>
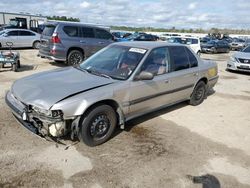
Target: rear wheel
<point x="14" y="67"/>
<point x="98" y="125"/>
<point x="18" y="64"/>
<point x="214" y="50"/>
<point x="199" y="53"/>
<point x="198" y="94"/>
<point x="36" y="45"/>
<point x="75" y="57"/>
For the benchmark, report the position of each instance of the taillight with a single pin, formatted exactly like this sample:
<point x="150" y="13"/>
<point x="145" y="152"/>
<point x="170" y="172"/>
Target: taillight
<point x="55" y="38"/>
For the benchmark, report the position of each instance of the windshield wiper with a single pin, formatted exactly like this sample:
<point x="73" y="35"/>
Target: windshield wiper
<point x="97" y="73"/>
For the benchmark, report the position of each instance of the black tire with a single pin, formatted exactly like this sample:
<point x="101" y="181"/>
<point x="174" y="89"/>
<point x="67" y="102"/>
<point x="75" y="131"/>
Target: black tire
<point x="36" y="45"/>
<point x="1" y="65"/>
<point x="98" y="125"/>
<point x="56" y="61"/>
<point x="18" y="64"/>
<point x="75" y="57"/>
<point x="199" y="53"/>
<point x="14" y="67"/>
<point x="199" y="94"/>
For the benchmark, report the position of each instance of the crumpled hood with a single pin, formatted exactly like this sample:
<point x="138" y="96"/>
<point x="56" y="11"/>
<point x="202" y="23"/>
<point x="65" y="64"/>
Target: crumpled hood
<point x="47" y="88"/>
<point x="242" y="55"/>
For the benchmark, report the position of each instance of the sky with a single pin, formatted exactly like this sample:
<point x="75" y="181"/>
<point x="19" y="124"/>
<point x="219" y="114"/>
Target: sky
<point x="186" y="14"/>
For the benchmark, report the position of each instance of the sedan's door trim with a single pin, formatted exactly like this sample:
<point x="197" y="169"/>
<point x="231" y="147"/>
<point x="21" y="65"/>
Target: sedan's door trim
<point x="142" y="99"/>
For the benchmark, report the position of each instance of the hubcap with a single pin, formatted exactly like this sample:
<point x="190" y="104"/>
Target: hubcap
<point x="199" y="93"/>
<point x="75" y="58"/>
<point x="99" y="126"/>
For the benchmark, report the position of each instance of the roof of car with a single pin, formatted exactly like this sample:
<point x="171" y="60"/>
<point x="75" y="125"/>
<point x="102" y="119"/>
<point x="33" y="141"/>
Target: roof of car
<point x="17" y="29"/>
<point x="146" y="44"/>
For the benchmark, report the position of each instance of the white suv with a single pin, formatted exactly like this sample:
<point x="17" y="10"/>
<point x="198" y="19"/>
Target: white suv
<point x="192" y="42"/>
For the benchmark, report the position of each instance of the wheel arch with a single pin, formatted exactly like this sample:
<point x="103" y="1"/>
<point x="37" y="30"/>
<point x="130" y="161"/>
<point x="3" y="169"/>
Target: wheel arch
<point x="116" y="107"/>
<point x="76" y="48"/>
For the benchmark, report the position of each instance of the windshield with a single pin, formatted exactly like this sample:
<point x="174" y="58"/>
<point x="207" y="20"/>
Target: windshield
<point x="247" y="49"/>
<point x="2" y="32"/>
<point x="117" y="62"/>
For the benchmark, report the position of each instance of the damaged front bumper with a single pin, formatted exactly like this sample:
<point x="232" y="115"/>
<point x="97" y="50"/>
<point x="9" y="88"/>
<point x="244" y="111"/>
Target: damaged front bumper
<point x="40" y="125"/>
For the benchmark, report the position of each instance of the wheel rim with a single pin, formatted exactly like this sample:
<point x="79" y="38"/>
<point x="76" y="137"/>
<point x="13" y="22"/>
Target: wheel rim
<point x="75" y="58"/>
<point x="199" y="93"/>
<point x="99" y="126"/>
<point x="37" y="45"/>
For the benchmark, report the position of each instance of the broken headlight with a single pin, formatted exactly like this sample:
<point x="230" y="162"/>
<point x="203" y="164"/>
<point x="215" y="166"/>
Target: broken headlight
<point x="48" y="113"/>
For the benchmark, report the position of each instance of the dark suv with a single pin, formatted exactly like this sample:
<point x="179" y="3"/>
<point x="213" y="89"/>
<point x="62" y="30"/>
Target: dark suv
<point x="72" y="42"/>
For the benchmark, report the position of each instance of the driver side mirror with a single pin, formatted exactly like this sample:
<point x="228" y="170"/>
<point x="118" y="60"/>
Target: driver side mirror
<point x="144" y="75"/>
<point x="5" y="35"/>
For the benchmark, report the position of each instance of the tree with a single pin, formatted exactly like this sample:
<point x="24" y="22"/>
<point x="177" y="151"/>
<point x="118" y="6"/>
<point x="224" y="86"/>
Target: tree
<point x="63" y="18"/>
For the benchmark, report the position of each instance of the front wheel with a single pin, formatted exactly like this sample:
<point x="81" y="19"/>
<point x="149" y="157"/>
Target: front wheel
<point x="199" y="53"/>
<point x="98" y="125"/>
<point x="14" y="67"/>
<point x="198" y="94"/>
<point x="75" y="57"/>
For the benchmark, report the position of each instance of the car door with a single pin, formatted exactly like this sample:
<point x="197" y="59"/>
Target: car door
<point x="146" y="95"/>
<point x="88" y="41"/>
<point x="11" y="36"/>
<point x="184" y="72"/>
<point x="26" y="38"/>
<point x="104" y="38"/>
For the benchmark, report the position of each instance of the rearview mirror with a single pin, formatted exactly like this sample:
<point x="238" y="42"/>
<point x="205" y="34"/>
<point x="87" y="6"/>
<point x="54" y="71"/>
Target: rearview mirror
<point x="144" y="75"/>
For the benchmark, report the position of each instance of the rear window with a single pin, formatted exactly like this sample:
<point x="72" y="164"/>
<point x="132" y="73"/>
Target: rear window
<point x="26" y="33"/>
<point x="49" y="30"/>
<point x="71" y="31"/>
<point x="194" y="41"/>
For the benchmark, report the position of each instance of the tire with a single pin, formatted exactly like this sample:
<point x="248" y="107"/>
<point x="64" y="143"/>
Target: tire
<point x="227" y="51"/>
<point x="18" y="64"/>
<point x="199" y="94"/>
<point x="199" y="53"/>
<point x="214" y="50"/>
<point x="56" y="61"/>
<point x="14" y="67"/>
<point x="1" y="65"/>
<point x="75" y="57"/>
<point x="101" y="117"/>
<point x="36" y="45"/>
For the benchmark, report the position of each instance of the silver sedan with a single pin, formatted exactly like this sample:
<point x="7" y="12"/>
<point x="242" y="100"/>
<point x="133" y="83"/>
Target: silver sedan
<point x="118" y="83"/>
<point x="20" y="38"/>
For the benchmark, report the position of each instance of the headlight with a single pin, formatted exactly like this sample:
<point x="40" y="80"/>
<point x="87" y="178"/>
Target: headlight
<point x="233" y="59"/>
<point x="48" y="113"/>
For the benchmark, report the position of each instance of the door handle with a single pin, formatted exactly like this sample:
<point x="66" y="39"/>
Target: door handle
<point x="82" y="41"/>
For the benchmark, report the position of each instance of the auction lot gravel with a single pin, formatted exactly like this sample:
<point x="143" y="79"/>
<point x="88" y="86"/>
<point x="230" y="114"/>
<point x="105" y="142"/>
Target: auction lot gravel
<point x="157" y="150"/>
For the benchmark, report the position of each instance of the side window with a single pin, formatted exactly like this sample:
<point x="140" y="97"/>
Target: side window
<point x="157" y="62"/>
<point x="71" y="31"/>
<point x="25" y="33"/>
<point x="88" y="32"/>
<point x="192" y="59"/>
<point x="179" y="59"/>
<point x="12" y="33"/>
<point x="102" y="34"/>
<point x="194" y="41"/>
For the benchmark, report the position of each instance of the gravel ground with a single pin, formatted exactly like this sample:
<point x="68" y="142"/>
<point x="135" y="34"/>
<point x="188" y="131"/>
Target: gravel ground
<point x="161" y="149"/>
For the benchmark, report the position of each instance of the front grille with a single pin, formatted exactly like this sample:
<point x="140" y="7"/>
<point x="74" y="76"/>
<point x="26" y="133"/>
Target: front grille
<point x="246" y="61"/>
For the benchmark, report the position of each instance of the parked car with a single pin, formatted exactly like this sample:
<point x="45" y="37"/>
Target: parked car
<point x="237" y="44"/>
<point x="193" y="42"/>
<point x="20" y="38"/>
<point x="205" y="40"/>
<point x="140" y="37"/>
<point x="118" y="83"/>
<point x="215" y="46"/>
<point x="72" y="42"/>
<point x="240" y="61"/>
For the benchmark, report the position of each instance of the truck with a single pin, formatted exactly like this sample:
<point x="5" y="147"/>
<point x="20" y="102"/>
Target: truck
<point x="22" y="21"/>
